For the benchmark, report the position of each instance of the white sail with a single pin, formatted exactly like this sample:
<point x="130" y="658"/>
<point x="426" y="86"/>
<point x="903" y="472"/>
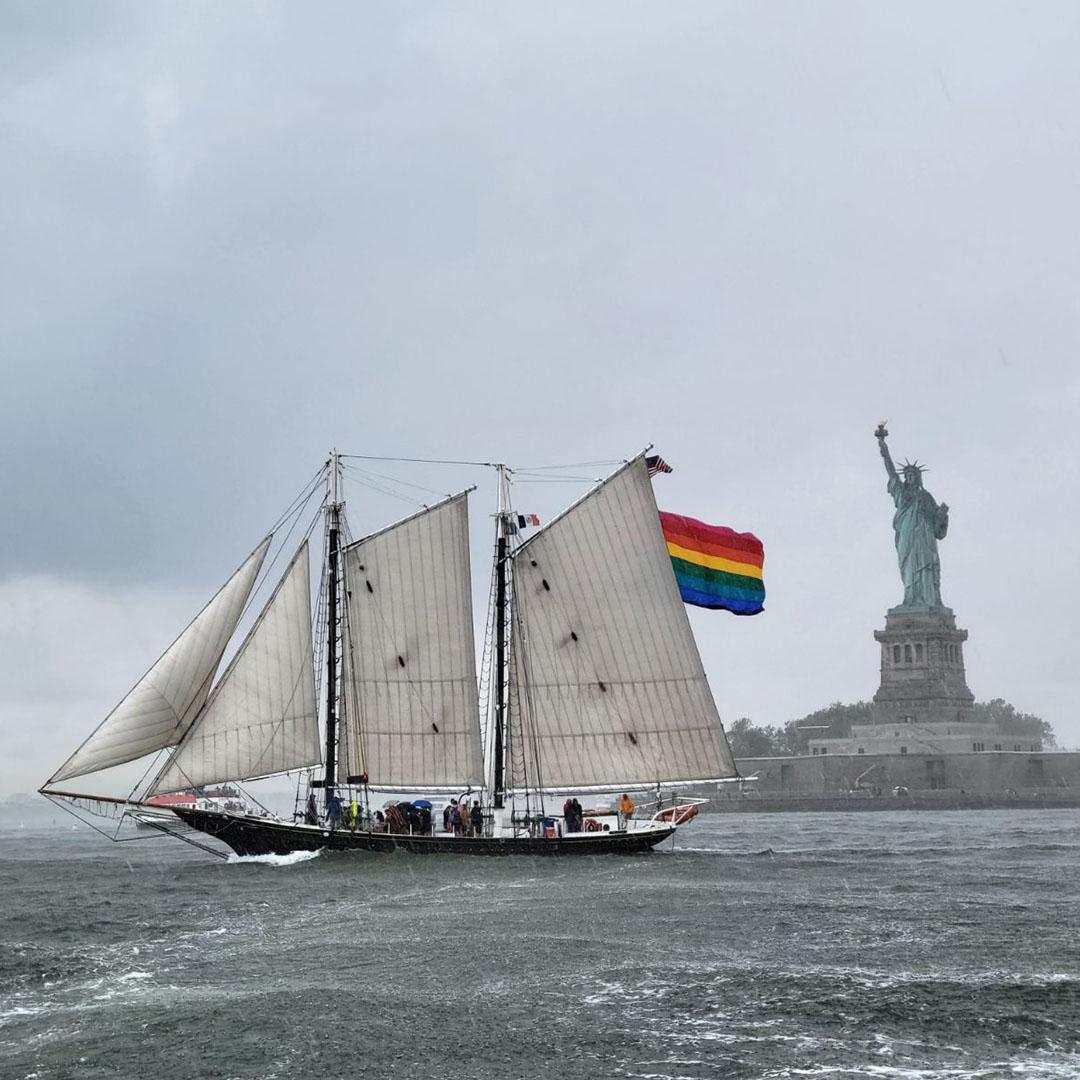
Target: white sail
<point x="606" y="679"/>
<point x="159" y="708"/>
<point x="261" y="717"/>
<point x="409" y="691"/>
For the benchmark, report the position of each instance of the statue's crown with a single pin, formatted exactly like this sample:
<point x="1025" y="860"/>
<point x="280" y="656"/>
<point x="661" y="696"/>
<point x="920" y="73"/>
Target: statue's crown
<point x="913" y="466"/>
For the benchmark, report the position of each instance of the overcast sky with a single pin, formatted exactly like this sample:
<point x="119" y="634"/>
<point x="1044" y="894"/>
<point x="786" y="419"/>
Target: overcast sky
<point x="232" y="236"/>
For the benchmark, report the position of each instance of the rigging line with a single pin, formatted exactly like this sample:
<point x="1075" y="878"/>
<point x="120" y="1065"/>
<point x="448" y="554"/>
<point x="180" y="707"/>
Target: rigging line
<point x="345" y="528"/>
<point x="296" y="507"/>
<point x="267" y="569"/>
<point x="398" y="480"/>
<point x="142" y="779"/>
<point x="166" y="831"/>
<point x="254" y="798"/>
<point x="320" y="631"/>
<point x="314" y="482"/>
<point x="282" y="547"/>
<point x="121" y="816"/>
<point x="421" y="461"/>
<point x="571" y="465"/>
<point x="352" y="693"/>
<point x="519" y="751"/>
<point x="517" y="706"/>
<point x="486" y="682"/>
<point x="533" y="727"/>
<point x="374" y="479"/>
<point x="529" y="479"/>
<point x="109" y="835"/>
<point x="386" y="491"/>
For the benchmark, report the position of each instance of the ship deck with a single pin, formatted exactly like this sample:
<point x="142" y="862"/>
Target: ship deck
<point x="247" y="835"/>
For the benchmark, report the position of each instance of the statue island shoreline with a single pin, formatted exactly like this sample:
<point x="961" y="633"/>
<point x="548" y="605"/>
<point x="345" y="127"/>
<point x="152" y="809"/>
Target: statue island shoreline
<point x="977" y="780"/>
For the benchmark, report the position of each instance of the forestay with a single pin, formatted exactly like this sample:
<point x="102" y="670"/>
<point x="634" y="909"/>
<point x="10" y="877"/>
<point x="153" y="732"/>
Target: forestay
<point x="161" y="705"/>
<point x="261" y="717"/>
<point x="606" y="679"/>
<point x="409" y="694"/>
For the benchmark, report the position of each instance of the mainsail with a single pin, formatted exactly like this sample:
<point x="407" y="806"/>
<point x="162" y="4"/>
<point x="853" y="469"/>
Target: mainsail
<point x="409" y="693"/>
<point x="605" y="678"/>
<point x="261" y="717"/>
<point x="160" y="707"/>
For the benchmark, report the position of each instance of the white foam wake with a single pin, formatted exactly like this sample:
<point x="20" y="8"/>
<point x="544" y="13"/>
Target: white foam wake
<point x="291" y="859"/>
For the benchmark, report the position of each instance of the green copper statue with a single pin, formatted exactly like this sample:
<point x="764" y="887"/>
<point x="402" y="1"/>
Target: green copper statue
<point x="919" y="523"/>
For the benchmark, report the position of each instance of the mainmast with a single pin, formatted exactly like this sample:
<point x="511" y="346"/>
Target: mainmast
<point x="333" y="636"/>
<point x="502" y="518"/>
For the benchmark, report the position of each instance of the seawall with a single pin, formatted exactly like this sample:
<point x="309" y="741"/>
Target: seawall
<point x="970" y="781"/>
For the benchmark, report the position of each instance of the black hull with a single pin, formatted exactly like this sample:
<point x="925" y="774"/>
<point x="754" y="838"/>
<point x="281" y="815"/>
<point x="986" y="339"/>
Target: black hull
<point x="257" y="836"/>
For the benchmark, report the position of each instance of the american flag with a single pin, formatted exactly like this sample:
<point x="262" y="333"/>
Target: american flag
<point x="657" y="464"/>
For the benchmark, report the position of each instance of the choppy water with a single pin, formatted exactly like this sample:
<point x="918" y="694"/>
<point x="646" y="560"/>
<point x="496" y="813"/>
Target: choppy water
<point x="912" y="946"/>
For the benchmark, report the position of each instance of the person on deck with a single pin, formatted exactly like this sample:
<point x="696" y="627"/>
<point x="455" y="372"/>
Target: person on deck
<point x="626" y="810"/>
<point x="466" y="820"/>
<point x="476" y="819"/>
<point x="568" y="814"/>
<point x="579" y="816"/>
<point x="311" y="811"/>
<point x="446" y="816"/>
<point x="455" y="818"/>
<point x="333" y="812"/>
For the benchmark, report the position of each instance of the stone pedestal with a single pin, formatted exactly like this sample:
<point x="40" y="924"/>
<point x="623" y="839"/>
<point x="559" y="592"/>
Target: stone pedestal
<point x="922" y="669"/>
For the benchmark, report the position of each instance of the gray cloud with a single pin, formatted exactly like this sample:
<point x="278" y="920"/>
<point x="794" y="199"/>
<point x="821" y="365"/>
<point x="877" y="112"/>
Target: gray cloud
<point x="233" y="237"/>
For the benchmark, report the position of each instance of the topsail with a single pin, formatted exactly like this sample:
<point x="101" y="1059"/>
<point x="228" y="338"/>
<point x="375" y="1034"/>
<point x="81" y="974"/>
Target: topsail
<point x="160" y="707"/>
<point x="606" y="680"/>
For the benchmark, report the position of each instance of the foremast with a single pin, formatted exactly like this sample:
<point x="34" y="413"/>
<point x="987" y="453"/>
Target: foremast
<point x="333" y="624"/>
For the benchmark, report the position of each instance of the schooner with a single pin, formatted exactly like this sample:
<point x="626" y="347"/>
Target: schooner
<point x="594" y="685"/>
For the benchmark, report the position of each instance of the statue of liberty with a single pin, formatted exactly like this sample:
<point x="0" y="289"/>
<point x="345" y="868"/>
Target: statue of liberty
<point x="919" y="523"/>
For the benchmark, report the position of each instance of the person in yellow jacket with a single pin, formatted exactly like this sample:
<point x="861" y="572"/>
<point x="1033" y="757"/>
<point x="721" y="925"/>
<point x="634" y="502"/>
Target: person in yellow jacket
<point x="626" y="810"/>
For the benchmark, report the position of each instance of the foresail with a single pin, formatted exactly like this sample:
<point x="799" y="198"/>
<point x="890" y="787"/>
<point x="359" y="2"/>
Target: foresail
<point x="261" y="717"/>
<point x="160" y="707"/>
<point x="409" y="694"/>
<point x="606" y="680"/>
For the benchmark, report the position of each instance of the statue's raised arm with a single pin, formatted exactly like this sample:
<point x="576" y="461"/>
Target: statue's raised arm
<point x="881" y="434"/>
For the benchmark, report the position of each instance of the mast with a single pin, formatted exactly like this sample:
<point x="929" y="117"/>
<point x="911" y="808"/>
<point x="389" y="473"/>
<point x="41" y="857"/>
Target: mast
<point x="502" y="515"/>
<point x="332" y="636"/>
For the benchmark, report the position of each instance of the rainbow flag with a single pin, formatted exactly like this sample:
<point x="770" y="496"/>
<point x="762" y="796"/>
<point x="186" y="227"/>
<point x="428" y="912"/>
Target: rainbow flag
<point x="714" y="566"/>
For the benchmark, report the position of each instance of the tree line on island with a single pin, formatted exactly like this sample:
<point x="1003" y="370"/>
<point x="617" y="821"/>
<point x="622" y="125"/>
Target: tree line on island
<point x="834" y="722"/>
